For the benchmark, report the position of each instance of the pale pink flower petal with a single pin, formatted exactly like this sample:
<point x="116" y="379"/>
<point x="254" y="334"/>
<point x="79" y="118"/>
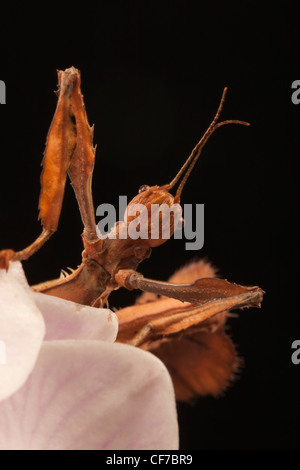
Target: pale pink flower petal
<point x="22" y="330"/>
<point x="92" y="395"/>
<point x="69" y="320"/>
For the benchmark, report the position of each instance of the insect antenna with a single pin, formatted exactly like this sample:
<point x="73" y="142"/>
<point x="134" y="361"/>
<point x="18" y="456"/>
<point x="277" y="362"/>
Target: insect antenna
<point x="189" y="164"/>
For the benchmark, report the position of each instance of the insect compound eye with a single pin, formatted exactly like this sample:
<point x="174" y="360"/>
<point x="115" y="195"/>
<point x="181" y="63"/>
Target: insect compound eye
<point x="143" y="188"/>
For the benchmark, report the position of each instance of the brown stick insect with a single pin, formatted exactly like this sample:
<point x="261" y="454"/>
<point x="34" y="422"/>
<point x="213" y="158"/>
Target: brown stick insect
<point x="182" y="320"/>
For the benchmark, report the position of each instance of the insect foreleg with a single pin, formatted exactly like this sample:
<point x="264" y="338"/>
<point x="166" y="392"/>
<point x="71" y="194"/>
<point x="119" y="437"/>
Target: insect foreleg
<point x="202" y="290"/>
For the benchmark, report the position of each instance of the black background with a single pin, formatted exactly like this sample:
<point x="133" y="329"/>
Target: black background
<point x="152" y="77"/>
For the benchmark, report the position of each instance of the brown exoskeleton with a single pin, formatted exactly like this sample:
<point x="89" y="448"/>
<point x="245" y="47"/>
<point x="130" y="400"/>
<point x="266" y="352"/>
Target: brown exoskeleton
<point x="182" y="321"/>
